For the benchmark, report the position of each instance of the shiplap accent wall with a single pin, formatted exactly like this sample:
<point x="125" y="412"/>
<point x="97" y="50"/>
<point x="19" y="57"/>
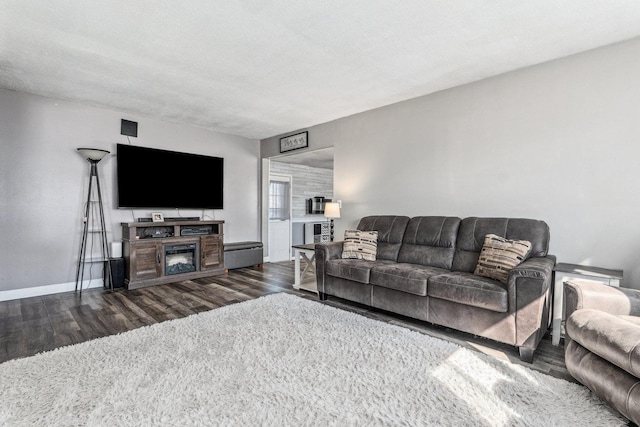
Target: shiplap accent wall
<point x="307" y="182"/>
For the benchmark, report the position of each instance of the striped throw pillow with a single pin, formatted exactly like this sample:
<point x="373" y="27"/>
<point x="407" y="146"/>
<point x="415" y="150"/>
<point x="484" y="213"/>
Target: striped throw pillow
<point x="499" y="255"/>
<point x="360" y="245"/>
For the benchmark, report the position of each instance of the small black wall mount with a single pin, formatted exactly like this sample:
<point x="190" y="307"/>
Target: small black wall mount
<point x="129" y="128"/>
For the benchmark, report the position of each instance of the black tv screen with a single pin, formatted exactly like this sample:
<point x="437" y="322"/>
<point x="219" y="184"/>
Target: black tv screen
<point x="153" y="178"/>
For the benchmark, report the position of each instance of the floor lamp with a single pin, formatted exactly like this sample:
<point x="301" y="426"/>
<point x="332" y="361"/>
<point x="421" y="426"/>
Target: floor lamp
<point x="331" y="211"/>
<point x="93" y="156"/>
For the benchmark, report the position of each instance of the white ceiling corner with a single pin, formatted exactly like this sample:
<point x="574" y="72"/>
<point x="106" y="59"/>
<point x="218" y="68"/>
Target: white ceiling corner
<point x="261" y="68"/>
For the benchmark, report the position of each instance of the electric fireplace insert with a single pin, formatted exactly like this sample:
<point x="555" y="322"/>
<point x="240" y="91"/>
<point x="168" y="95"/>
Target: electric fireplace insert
<point x="180" y="259"/>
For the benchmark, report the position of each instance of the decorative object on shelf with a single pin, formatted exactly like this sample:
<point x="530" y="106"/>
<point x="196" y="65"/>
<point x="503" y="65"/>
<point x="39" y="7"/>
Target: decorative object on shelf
<point x="294" y="142"/>
<point x="332" y="211"/>
<point x="93" y="222"/>
<point x="157" y="217"/>
<point x="116" y="249"/>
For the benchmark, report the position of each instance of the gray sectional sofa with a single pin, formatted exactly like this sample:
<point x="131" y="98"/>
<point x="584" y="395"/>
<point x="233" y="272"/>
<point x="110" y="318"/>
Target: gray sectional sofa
<point x="424" y="269"/>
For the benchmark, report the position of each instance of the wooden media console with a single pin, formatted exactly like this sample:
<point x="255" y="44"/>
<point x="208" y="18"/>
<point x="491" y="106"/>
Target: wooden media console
<point x="163" y="252"/>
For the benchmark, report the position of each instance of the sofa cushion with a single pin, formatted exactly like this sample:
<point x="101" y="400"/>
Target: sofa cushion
<point x="473" y="230"/>
<point x="390" y="230"/>
<point x="410" y="278"/>
<point x="499" y="255"/>
<point x="468" y="289"/>
<point x="611" y="337"/>
<point x="360" y="245"/>
<point x="430" y="240"/>
<point x="357" y="270"/>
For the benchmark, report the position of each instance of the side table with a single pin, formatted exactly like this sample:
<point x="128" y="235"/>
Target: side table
<point x="564" y="272"/>
<point x="305" y="251"/>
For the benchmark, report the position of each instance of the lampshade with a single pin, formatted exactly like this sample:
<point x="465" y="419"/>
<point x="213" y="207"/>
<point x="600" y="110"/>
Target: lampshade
<point x="93" y="154"/>
<point x="332" y="210"/>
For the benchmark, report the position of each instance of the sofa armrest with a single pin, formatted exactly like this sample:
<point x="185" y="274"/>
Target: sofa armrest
<point x="325" y="252"/>
<point x="535" y="268"/>
<point x="529" y="287"/>
<point x="581" y="294"/>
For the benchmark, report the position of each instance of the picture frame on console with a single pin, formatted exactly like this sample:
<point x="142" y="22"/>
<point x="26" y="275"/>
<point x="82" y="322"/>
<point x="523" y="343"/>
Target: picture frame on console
<point x="157" y="217"/>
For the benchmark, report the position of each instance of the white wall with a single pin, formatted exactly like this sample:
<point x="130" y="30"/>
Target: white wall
<point x="43" y="182"/>
<point x="558" y="142"/>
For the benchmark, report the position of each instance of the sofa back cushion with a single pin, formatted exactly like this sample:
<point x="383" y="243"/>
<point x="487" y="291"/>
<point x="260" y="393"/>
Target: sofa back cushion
<point x="430" y="241"/>
<point x="473" y="230"/>
<point x="390" y="230"/>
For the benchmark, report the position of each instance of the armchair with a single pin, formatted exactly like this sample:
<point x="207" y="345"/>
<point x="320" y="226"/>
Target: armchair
<point x="602" y="346"/>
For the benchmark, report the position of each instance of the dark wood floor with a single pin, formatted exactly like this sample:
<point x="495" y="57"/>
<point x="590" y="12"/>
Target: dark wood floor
<point x="33" y="325"/>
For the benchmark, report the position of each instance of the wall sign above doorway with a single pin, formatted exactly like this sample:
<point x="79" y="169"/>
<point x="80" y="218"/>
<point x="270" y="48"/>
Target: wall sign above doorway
<point x="294" y="142"/>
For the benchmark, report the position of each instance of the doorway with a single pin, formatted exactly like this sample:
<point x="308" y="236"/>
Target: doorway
<point x="310" y="174"/>
<point x="279" y="218"/>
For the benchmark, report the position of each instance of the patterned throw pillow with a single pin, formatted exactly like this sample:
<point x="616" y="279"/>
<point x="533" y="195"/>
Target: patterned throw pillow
<point x="500" y="255"/>
<point x="360" y="245"/>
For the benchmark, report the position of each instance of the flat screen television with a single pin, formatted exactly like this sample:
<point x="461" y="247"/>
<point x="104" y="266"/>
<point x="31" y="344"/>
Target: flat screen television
<point x="153" y="178"/>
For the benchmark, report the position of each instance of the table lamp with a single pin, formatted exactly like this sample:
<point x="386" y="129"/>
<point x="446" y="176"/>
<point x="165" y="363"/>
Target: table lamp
<point x="332" y="211"/>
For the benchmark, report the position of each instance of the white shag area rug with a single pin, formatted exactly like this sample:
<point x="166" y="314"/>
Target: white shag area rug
<point x="284" y="361"/>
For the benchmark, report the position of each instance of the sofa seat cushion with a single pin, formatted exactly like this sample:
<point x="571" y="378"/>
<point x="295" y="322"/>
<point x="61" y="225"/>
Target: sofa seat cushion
<point x="468" y="289"/>
<point x="614" y="338"/>
<point x="410" y="278"/>
<point x="357" y="270"/>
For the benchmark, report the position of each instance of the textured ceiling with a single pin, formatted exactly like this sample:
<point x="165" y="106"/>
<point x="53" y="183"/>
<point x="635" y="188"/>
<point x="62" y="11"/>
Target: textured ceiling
<point x="258" y="68"/>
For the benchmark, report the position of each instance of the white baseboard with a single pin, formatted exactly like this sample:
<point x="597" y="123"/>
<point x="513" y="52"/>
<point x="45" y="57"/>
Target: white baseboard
<point x="47" y="289"/>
